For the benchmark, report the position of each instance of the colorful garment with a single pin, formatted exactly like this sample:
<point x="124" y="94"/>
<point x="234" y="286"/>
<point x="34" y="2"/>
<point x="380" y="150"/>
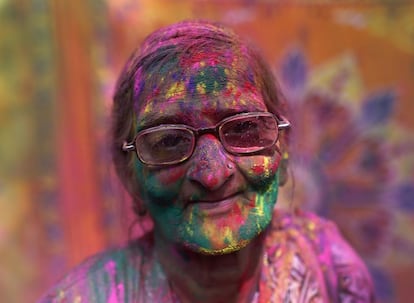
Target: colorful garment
<point x="306" y="260"/>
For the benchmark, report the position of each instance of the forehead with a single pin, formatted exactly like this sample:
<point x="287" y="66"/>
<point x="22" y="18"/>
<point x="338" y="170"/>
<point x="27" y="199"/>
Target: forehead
<point x="197" y="111"/>
<point x="199" y="89"/>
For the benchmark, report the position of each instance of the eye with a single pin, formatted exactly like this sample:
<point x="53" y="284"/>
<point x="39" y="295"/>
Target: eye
<point x="170" y="140"/>
<point x="165" y="145"/>
<point x="241" y="127"/>
<point x="249" y="134"/>
<point x="241" y="132"/>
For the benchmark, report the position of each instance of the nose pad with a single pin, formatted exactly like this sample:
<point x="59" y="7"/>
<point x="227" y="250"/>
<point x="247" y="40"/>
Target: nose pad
<point x="210" y="167"/>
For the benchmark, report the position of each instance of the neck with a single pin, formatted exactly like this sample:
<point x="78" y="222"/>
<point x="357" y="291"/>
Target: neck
<point x="195" y="277"/>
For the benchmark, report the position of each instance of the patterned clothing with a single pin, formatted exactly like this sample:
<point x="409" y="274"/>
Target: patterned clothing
<point x="306" y="260"/>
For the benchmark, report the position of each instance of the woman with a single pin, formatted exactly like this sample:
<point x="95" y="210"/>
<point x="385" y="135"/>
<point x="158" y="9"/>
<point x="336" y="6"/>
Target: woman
<point x="199" y="141"/>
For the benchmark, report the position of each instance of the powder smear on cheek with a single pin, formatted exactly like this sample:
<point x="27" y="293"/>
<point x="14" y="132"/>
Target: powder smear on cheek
<point x="261" y="169"/>
<point x="160" y="186"/>
<point x="171" y="176"/>
<point x="264" y="176"/>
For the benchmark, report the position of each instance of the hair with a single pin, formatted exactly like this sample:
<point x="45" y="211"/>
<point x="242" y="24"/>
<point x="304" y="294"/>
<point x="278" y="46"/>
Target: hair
<point x="159" y="56"/>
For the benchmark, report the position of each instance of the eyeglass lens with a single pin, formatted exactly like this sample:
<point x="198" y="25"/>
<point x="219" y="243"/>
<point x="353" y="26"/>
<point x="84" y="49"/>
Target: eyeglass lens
<point x="249" y="134"/>
<point x="166" y="145"/>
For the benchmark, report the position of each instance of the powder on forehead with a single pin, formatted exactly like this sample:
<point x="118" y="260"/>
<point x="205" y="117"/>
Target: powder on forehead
<point x="196" y="74"/>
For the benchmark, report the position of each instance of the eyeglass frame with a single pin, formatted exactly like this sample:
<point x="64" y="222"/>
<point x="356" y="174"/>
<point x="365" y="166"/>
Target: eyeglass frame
<point x="282" y="123"/>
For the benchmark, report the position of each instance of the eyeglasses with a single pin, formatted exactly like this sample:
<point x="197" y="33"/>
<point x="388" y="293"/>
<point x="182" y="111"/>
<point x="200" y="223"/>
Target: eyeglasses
<point x="240" y="134"/>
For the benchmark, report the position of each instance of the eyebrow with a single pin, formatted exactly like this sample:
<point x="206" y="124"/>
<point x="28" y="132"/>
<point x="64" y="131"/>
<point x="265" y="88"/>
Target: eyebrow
<point x="155" y="119"/>
<point x="229" y="112"/>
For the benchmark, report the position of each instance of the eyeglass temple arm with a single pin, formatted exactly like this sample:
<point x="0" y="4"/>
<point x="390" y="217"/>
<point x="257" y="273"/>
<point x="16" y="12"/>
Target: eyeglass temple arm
<point x="283" y="123"/>
<point x="128" y="147"/>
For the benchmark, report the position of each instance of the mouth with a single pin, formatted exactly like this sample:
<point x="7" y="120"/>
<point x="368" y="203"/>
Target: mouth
<point x="216" y="206"/>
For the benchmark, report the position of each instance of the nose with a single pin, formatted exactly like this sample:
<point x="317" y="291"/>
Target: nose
<point x="211" y="166"/>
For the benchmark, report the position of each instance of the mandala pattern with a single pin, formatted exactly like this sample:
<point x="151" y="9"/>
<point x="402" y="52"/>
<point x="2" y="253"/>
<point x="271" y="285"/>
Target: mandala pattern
<point x="342" y="158"/>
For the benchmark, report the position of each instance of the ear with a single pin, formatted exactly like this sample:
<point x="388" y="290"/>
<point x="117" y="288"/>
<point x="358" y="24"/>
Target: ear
<point x="284" y="162"/>
<point x="283" y="168"/>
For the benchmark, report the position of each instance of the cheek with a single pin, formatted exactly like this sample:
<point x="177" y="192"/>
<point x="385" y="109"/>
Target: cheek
<point x="170" y="176"/>
<point x="259" y="170"/>
<point x="160" y="185"/>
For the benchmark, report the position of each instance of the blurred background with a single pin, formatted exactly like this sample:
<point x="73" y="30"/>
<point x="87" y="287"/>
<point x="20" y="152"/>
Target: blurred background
<point x="346" y="68"/>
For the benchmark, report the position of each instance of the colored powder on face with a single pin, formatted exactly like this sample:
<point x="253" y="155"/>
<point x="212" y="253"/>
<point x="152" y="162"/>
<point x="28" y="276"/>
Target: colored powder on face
<point x="167" y="219"/>
<point x="261" y="171"/>
<point x="201" y="88"/>
<point x="265" y="203"/>
<point x="200" y="84"/>
<point x="211" y="79"/>
<point x="190" y="233"/>
<point x="210" y="240"/>
<point x="176" y="90"/>
<point x="155" y="191"/>
<point x="228" y="235"/>
<point x="202" y="70"/>
<point x="213" y="237"/>
<point x="258" y="169"/>
<point x="205" y="235"/>
<point x="228" y="249"/>
<point x="172" y="176"/>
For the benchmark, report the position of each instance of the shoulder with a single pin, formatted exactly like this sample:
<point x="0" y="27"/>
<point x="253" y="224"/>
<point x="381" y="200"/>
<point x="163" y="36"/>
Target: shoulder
<point x="100" y="277"/>
<point x="319" y="246"/>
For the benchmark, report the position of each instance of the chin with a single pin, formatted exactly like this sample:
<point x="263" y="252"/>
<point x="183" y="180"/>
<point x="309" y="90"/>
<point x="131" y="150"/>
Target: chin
<point x="225" y="249"/>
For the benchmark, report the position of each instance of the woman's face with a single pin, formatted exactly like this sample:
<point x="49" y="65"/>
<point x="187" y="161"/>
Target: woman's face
<point x="214" y="202"/>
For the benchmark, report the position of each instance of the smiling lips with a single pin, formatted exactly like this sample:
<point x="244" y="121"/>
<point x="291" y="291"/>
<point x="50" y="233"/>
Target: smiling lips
<point x="217" y="207"/>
